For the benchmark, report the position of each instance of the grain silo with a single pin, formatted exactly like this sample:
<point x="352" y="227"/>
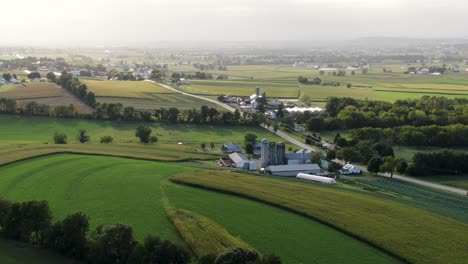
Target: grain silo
<point x="272" y="154"/>
<point x="280" y="153"/>
<point x="265" y="153"/>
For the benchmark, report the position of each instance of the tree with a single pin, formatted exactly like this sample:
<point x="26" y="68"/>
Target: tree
<point x="82" y="136"/>
<point x="112" y="244"/>
<point x="107" y="139"/>
<point x="364" y="71"/>
<point x="51" y="76"/>
<point x="389" y="165"/>
<point x="69" y="236"/>
<point x="331" y="154"/>
<point x="153" y="139"/>
<point x="305" y="99"/>
<point x="349" y="85"/>
<point x="348" y="154"/>
<point x="250" y="138"/>
<point x="249" y="148"/>
<point x="383" y="149"/>
<point x="34" y="75"/>
<point x="203" y="146"/>
<point x="316" y="158"/>
<point x="374" y="164"/>
<point x="317" y="81"/>
<point x="60" y="138"/>
<point x="5" y="207"/>
<point x="212" y="146"/>
<point x="7" y="76"/>
<point x="143" y="132"/>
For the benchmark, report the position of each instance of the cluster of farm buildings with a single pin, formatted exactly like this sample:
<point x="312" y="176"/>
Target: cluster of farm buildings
<point x="271" y="158"/>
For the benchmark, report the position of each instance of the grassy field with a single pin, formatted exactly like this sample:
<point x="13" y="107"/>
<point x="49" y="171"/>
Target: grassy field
<point x="413" y="234"/>
<point x="459" y="181"/>
<point x="115" y="190"/>
<point x="203" y="236"/>
<point x="44" y="93"/>
<point x="142" y="95"/>
<point x="26" y="130"/>
<point x="12" y="252"/>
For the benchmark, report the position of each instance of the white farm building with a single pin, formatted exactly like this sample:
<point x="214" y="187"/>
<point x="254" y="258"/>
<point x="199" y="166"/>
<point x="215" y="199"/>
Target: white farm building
<point x="292" y="170"/>
<point x="315" y="178"/>
<point x="350" y="169"/>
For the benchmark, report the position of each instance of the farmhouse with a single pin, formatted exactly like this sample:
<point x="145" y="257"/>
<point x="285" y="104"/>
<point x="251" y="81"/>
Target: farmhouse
<point x="350" y="169"/>
<point x="230" y="147"/>
<point x="292" y="170"/>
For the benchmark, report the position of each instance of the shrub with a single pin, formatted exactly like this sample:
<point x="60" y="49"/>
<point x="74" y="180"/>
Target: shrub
<point x="60" y="138"/>
<point x="107" y="139"/>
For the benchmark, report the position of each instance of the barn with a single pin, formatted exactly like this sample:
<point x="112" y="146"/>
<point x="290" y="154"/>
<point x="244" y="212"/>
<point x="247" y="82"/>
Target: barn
<point x="292" y="170"/>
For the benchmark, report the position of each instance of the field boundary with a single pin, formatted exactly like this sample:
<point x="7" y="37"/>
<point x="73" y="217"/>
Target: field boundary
<point x="297" y="212"/>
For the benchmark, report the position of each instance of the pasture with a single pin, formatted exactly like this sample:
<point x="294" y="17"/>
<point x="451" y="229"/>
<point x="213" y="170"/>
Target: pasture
<point x="142" y="95"/>
<point x="115" y="190"/>
<point x="388" y="225"/>
<point x="28" y="130"/>
<point x="44" y="93"/>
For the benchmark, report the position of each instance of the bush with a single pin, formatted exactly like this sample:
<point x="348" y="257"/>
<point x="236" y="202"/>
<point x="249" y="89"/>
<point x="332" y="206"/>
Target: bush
<point x="107" y="139"/>
<point x="60" y="138"/>
<point x="153" y="139"/>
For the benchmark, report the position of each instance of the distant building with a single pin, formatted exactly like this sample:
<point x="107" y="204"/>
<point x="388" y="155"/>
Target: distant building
<point x="2" y="81"/>
<point x="350" y="169"/>
<point x="238" y="159"/>
<point x="292" y="170"/>
<point x="230" y="147"/>
<point x="299" y="157"/>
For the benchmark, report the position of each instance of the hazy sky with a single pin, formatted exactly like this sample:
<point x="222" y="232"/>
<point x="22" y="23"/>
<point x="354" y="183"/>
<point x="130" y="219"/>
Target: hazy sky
<point x="139" y="21"/>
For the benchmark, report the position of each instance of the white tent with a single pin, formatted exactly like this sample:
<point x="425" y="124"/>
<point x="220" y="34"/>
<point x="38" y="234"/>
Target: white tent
<point x="315" y="178"/>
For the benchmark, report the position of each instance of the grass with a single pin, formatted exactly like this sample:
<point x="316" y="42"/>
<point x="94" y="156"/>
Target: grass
<point x="459" y="181"/>
<point x="407" y="152"/>
<point x="18" y="130"/>
<point x="413" y="234"/>
<point x="115" y="190"/>
<point x="12" y="252"/>
<point x="44" y="93"/>
<point x="203" y="236"/>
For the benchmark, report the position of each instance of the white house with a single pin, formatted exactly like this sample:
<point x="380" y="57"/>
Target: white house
<point x="350" y="169"/>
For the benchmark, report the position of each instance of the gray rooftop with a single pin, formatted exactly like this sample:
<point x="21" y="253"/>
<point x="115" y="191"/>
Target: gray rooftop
<point x="237" y="157"/>
<point x="301" y="167"/>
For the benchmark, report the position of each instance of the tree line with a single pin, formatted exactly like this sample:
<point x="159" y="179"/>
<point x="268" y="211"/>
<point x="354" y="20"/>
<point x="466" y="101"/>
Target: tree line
<point x="349" y="113"/>
<point x="10" y="106"/>
<point x="441" y="136"/>
<point x="31" y="222"/>
<point x="73" y="85"/>
<point x="444" y="162"/>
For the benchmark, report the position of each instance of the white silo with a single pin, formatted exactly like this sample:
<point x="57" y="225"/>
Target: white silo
<point x="265" y="153"/>
<point x="272" y="154"/>
<point x="280" y="154"/>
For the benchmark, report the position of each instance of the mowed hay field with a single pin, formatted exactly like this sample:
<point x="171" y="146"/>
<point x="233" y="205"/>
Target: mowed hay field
<point x="26" y="130"/>
<point x="411" y="233"/>
<point x="142" y="95"/>
<point x="115" y="190"/>
<point x="44" y="93"/>
<point x="281" y="81"/>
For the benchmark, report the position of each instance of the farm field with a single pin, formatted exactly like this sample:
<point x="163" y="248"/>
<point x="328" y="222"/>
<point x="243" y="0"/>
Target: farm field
<point x="27" y="130"/>
<point x="142" y="95"/>
<point x="115" y="190"/>
<point x="281" y="81"/>
<point x="459" y="181"/>
<point x="44" y="93"/>
<point x="12" y="252"/>
<point x="435" y="239"/>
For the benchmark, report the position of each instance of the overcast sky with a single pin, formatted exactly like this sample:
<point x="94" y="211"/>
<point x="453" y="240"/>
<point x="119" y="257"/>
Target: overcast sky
<point x="119" y="22"/>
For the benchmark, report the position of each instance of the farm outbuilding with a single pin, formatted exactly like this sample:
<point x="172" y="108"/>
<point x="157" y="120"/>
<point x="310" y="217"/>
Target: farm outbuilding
<point x="292" y="170"/>
<point x="350" y="169"/>
<point x="315" y="178"/>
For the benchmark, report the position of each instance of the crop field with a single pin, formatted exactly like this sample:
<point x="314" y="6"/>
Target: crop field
<point x="203" y="235"/>
<point x="281" y="81"/>
<point x="411" y="233"/>
<point x="26" y="130"/>
<point x="12" y="252"/>
<point x="142" y="95"/>
<point x="44" y="93"/>
<point x="459" y="181"/>
<point x="241" y="88"/>
<point x="115" y="190"/>
<point x="127" y="89"/>
<point x="428" y="199"/>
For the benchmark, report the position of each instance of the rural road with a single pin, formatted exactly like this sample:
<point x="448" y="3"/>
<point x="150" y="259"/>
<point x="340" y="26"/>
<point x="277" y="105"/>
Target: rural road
<point x="232" y="109"/>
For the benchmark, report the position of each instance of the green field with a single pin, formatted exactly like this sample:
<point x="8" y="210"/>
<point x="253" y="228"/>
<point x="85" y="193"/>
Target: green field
<point x="115" y="190"/>
<point x="280" y="81"/>
<point x="27" y="130"/>
<point x="411" y="233"/>
<point x="126" y="89"/>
